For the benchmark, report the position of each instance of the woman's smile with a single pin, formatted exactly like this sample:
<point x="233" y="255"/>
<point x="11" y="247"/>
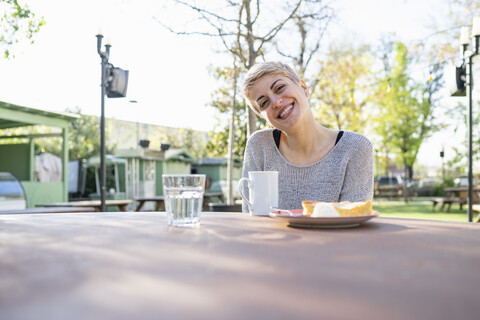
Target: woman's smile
<point x="286" y="111"/>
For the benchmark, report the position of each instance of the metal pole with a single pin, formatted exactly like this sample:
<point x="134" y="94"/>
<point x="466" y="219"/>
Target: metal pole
<point x="103" y="173"/>
<point x="469" y="129"/>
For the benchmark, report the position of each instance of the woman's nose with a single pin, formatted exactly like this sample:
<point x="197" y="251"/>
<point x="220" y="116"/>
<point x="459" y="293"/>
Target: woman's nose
<point x="277" y="101"/>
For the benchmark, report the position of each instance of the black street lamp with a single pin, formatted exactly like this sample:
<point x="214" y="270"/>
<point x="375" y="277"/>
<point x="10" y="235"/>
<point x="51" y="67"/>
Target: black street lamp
<point x="114" y="85"/>
<point x="104" y="55"/>
<point x="468" y="56"/>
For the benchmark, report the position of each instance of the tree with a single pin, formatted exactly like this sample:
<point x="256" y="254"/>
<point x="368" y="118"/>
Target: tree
<point x="310" y="30"/>
<point x="405" y="111"/>
<point x="245" y="27"/>
<point x="16" y="20"/>
<point x="343" y="88"/>
<point x="460" y="151"/>
<point x="182" y="138"/>
<point x="83" y="139"/>
<point x="222" y="100"/>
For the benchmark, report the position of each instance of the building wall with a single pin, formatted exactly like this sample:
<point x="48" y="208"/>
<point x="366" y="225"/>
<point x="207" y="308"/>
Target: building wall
<point x="15" y="158"/>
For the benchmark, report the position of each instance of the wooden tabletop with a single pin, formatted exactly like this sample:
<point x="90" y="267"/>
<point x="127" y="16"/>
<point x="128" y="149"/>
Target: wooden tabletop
<point x="121" y="266"/>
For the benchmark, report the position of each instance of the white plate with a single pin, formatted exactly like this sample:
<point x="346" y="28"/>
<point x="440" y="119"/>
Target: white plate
<point x="295" y="218"/>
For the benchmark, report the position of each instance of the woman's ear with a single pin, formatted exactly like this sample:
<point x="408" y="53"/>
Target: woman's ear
<point x="305" y="88"/>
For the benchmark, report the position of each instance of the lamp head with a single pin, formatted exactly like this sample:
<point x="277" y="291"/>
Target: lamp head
<point x="464" y="36"/>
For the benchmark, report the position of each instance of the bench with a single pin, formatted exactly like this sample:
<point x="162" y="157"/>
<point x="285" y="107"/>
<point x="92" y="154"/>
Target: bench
<point x="447" y="201"/>
<point x="389" y="191"/>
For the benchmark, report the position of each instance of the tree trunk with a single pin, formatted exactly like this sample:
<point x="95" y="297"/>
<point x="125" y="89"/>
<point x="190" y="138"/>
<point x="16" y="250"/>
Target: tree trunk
<point x="231" y="136"/>
<point x="252" y="56"/>
<point x="405" y="174"/>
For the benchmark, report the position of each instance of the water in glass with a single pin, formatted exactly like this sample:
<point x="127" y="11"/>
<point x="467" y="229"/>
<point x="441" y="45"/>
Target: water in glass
<point x="183" y="205"/>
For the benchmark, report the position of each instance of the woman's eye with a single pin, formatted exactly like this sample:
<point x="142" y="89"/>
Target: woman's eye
<point x="279" y="88"/>
<point x="263" y="104"/>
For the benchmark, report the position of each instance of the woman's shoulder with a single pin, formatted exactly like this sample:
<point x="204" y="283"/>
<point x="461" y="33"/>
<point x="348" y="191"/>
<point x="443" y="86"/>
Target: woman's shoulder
<point x="261" y="136"/>
<point x="356" y="138"/>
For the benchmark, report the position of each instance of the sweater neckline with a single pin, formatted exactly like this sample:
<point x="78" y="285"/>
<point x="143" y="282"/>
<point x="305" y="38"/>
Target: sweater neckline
<point x="329" y="154"/>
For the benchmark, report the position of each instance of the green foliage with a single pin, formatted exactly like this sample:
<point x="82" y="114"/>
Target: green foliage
<point x="404" y="114"/>
<point x="50" y="144"/>
<point x="342" y="88"/>
<point x="461" y="151"/>
<point x="222" y="101"/>
<point x="84" y="137"/>
<point x="16" y="20"/>
<point x="181" y="138"/>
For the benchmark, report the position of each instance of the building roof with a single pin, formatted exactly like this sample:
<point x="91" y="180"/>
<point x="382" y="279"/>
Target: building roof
<point x="178" y="154"/>
<point x="12" y="115"/>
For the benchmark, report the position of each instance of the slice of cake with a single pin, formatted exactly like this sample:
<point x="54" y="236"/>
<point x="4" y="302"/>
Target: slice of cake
<point x="348" y="209"/>
<point x="335" y="209"/>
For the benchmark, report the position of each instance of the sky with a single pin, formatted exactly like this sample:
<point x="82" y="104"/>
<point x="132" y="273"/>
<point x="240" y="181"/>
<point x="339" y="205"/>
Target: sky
<point x="169" y="75"/>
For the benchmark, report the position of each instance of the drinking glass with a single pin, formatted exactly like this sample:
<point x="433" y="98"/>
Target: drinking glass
<point x="183" y="198"/>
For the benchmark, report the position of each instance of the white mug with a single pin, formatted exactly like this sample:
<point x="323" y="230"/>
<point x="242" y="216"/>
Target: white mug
<point x="263" y="191"/>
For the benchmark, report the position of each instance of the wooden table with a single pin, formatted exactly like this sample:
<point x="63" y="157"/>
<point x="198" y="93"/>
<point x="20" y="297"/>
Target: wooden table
<point x="120" y="204"/>
<point x="123" y="266"/>
<point x="160" y="200"/>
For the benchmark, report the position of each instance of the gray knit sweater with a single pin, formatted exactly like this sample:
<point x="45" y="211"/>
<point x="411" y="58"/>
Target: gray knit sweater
<point x="345" y="173"/>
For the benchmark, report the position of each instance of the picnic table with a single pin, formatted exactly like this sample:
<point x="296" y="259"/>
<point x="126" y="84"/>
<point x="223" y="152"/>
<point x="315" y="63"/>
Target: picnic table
<point x="233" y="266"/>
<point x="389" y="191"/>
<point x="48" y="210"/>
<point x="96" y="204"/>
<point x="455" y="195"/>
<point x="160" y="200"/>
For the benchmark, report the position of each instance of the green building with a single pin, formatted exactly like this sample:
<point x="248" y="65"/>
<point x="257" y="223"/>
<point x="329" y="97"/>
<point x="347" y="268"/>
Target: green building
<point x="17" y="152"/>
<point x="215" y="170"/>
<point x="144" y="168"/>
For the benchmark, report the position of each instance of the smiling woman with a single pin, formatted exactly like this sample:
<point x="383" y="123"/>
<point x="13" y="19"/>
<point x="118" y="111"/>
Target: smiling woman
<point x="314" y="162"/>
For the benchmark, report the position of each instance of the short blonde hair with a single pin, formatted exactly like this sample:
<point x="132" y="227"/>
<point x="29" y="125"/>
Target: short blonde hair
<point x="262" y="69"/>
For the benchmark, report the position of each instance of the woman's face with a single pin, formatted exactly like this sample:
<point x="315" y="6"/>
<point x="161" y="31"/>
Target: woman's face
<point x="281" y="101"/>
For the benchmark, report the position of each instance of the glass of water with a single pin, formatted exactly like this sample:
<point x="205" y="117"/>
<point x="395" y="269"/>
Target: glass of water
<point x="183" y="198"/>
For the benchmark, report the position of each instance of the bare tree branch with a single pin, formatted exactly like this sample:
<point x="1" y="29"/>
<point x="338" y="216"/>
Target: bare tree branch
<point x="204" y="12"/>
<point x="191" y="32"/>
<point x="241" y="35"/>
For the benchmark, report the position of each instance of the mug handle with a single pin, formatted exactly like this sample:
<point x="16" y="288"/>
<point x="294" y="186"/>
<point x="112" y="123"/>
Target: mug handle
<point x="240" y="189"/>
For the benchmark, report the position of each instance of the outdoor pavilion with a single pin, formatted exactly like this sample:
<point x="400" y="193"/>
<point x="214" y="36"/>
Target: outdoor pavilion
<point x="18" y="158"/>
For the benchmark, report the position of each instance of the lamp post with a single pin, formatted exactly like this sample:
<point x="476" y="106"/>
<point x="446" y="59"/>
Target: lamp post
<point x="104" y="55"/>
<point x="468" y="57"/>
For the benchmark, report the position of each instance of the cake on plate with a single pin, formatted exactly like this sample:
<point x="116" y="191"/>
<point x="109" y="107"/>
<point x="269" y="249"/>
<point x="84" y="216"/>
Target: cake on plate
<point x="337" y="209"/>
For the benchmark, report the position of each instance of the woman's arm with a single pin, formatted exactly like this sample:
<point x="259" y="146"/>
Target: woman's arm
<point x="358" y="180"/>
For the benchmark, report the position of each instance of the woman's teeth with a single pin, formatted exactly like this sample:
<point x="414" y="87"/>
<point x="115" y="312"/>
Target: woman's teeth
<point x="286" y="111"/>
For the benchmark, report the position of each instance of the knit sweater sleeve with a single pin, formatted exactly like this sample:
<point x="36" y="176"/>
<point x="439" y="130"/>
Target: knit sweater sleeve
<point x="358" y="180"/>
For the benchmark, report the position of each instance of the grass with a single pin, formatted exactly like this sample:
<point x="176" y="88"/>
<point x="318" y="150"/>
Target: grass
<point x="418" y="208"/>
